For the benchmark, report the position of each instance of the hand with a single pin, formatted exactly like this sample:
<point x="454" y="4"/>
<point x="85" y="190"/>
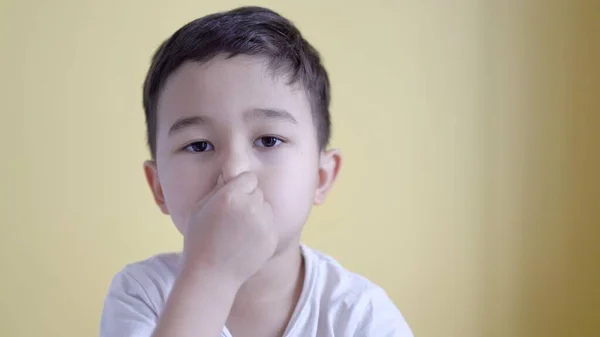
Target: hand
<point x="232" y="232"/>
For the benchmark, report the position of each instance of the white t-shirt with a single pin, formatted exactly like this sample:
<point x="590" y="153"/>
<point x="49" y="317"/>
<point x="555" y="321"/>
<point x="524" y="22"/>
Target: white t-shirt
<point x="333" y="301"/>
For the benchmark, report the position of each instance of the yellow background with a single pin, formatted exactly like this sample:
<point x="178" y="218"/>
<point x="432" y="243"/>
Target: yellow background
<point x="471" y="135"/>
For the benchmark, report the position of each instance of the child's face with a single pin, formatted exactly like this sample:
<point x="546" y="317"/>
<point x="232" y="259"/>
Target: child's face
<point x="228" y="116"/>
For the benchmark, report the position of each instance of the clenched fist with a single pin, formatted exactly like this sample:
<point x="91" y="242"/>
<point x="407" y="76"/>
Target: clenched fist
<point x="231" y="233"/>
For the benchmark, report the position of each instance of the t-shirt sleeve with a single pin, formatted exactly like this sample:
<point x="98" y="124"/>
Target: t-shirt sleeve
<point x="128" y="311"/>
<point x="382" y="318"/>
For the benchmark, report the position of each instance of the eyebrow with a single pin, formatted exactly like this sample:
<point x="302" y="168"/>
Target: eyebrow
<point x="272" y="114"/>
<point x="185" y="122"/>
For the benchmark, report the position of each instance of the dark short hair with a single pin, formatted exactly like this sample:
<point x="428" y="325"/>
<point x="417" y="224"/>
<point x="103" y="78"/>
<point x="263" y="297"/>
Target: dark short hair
<point x="242" y="31"/>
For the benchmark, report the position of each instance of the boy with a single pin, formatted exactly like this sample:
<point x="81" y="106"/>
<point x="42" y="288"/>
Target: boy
<point x="237" y="112"/>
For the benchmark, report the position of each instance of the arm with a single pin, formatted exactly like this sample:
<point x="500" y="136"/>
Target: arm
<point x="226" y="240"/>
<point x="198" y="305"/>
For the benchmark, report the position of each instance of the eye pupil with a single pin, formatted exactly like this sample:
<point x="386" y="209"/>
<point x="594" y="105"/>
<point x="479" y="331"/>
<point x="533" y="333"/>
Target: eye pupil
<point x="269" y="141"/>
<point x="199" y="146"/>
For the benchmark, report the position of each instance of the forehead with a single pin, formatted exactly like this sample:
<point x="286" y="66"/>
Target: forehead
<point x="226" y="87"/>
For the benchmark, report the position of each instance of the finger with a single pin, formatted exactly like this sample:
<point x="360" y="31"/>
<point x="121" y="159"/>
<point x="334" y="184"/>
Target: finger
<point x="245" y="182"/>
<point x="257" y="194"/>
<point x="220" y="181"/>
<point x="268" y="210"/>
<point x="219" y="184"/>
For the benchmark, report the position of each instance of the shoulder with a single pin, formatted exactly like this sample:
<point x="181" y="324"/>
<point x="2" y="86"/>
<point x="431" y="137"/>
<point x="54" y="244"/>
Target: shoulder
<point x="334" y="282"/>
<point x="153" y="276"/>
<point x="357" y="304"/>
<point x="157" y="270"/>
<point x="137" y="294"/>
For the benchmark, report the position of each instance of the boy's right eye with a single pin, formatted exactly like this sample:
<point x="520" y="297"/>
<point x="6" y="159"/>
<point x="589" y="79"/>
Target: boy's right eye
<point x="200" y="146"/>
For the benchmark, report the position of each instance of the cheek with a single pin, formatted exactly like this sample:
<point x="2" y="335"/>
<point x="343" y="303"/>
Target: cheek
<point x="290" y="190"/>
<point x="184" y="186"/>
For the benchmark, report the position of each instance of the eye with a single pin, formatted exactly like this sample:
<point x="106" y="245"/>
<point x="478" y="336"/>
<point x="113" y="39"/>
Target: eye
<point x="201" y="146"/>
<point x="268" y="141"/>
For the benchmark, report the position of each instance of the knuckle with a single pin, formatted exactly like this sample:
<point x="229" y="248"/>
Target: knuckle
<point x="234" y="201"/>
<point x="259" y="194"/>
<point x="252" y="209"/>
<point x="229" y="199"/>
<point x="249" y="179"/>
<point x="224" y="198"/>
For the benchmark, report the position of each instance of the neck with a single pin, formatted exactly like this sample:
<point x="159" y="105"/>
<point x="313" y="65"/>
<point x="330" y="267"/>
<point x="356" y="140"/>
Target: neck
<point x="280" y="279"/>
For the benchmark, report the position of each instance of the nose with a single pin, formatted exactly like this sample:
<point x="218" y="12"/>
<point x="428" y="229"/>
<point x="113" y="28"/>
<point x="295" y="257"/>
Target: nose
<point x="233" y="163"/>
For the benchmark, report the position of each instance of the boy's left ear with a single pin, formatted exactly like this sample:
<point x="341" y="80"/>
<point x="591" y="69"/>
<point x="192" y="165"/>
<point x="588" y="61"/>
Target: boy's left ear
<point x="329" y="166"/>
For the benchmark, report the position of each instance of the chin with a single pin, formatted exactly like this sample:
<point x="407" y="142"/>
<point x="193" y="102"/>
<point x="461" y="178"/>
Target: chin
<point x="180" y="228"/>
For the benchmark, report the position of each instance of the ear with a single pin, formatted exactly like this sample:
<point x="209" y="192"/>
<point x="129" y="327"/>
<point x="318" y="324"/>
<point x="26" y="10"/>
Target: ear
<point x="152" y="178"/>
<point x="329" y="166"/>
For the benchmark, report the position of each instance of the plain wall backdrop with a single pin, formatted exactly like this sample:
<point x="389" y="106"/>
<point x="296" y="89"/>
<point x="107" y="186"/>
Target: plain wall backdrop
<point x="471" y="136"/>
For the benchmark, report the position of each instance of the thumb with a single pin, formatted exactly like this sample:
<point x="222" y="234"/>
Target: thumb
<point x="245" y="182"/>
<point x="220" y="182"/>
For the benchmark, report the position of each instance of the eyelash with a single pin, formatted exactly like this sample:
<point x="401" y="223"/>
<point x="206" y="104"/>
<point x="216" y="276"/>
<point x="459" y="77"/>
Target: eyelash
<point x="188" y="148"/>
